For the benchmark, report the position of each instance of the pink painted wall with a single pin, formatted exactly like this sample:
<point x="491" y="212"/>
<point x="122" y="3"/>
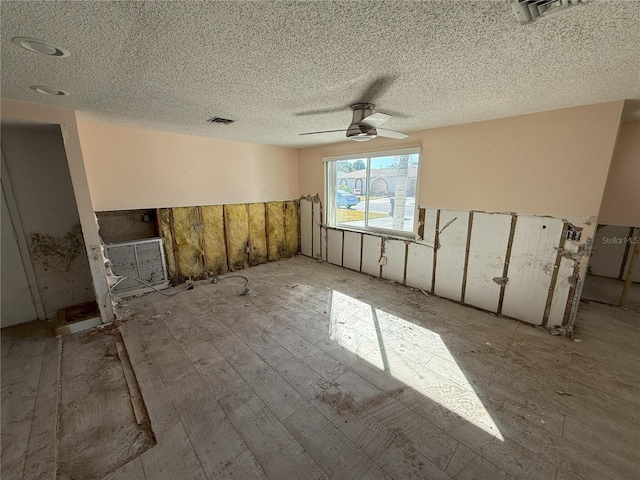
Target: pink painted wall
<point x="130" y="168"/>
<point x="621" y="201"/>
<point x="550" y="163"/>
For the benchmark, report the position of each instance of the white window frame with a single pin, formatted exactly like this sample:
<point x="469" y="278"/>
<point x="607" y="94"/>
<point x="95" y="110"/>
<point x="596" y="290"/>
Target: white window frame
<point x="330" y="175"/>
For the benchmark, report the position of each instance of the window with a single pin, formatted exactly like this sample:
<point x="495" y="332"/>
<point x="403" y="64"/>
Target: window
<point x="373" y="192"/>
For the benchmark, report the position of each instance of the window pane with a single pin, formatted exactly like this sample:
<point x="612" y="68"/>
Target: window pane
<point x="351" y="178"/>
<point x="392" y="192"/>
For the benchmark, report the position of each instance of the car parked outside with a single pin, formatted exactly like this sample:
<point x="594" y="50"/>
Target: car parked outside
<point x="346" y="199"/>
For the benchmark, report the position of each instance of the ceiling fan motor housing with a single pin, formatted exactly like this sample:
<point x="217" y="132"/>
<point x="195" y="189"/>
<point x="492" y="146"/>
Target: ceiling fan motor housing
<point x="357" y="131"/>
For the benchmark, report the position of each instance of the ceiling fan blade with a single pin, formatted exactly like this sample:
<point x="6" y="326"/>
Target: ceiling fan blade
<point x="324" y="131"/>
<point x="375" y="120"/>
<point x="383" y="132"/>
<point x="320" y="111"/>
<point x="376" y="89"/>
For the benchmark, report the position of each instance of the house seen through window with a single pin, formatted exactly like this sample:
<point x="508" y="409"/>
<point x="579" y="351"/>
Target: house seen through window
<point x="374" y="192"/>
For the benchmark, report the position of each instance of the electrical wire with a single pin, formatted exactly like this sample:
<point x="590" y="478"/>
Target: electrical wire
<point x="216" y="279"/>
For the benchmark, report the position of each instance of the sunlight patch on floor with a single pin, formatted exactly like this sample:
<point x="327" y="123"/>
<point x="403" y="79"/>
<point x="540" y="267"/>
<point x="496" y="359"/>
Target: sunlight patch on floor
<point x="409" y="352"/>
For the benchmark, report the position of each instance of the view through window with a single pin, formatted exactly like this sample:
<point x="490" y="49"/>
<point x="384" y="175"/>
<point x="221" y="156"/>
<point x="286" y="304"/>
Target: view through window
<point x="375" y="192"/>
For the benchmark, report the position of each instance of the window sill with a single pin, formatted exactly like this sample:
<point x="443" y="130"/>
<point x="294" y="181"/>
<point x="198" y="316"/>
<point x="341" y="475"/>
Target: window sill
<point x="376" y="233"/>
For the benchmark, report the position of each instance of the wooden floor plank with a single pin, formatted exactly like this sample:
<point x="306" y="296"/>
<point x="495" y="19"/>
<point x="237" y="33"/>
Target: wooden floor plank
<point x="212" y="436"/>
<point x="272" y="389"/>
<point x="162" y="414"/>
<point x="172" y="458"/>
<point x="41" y="454"/>
<point x="225" y="341"/>
<point x="338" y="456"/>
<point x="129" y="471"/>
<point x="277" y="452"/>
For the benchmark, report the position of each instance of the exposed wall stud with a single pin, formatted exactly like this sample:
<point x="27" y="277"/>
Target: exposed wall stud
<point x="226" y="236"/>
<point x="173" y="245"/>
<point x="249" y="245"/>
<point x="466" y="256"/>
<point x="436" y="244"/>
<point x="406" y="256"/>
<point x="554" y="275"/>
<point x="627" y="248"/>
<point x="204" y="257"/>
<point x="632" y="266"/>
<point x="361" y="249"/>
<point x="507" y="258"/>
<point x="266" y="230"/>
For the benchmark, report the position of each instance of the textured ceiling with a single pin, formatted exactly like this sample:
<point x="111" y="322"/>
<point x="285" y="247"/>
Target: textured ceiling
<point x="172" y="65"/>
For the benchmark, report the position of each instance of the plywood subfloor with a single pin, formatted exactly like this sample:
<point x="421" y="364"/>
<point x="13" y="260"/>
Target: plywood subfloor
<point x="323" y="372"/>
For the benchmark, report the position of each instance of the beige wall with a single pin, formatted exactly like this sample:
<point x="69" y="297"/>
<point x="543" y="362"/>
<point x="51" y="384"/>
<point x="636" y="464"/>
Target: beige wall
<point x="37" y="168"/>
<point x="130" y="168"/>
<point x="621" y="201"/>
<point x="550" y="163"/>
<point x="66" y="118"/>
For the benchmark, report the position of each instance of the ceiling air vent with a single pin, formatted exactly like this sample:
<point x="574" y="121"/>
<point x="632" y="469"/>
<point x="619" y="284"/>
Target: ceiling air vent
<point x="529" y="10"/>
<point x="223" y="121"/>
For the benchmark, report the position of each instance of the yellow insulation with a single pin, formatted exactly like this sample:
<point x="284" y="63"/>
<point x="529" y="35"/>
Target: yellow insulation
<point x="215" y="250"/>
<point x="237" y="236"/>
<point x="164" y="222"/>
<point x="291" y="227"/>
<point x="214" y="239"/>
<point x="257" y="234"/>
<point x="275" y="229"/>
<point x="188" y="243"/>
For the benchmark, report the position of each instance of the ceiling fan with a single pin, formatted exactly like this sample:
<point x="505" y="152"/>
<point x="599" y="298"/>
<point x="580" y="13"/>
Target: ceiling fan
<point x="365" y="124"/>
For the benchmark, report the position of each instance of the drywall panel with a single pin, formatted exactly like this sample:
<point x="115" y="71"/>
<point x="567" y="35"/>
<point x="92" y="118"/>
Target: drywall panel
<point x="291" y="227"/>
<point x="487" y="252"/>
<point x="275" y="231"/>
<point x="210" y="171"/>
<point x="394" y="252"/>
<point x="560" y="293"/>
<point x="257" y="234"/>
<point x="40" y="179"/>
<point x="621" y="200"/>
<point x="188" y="243"/>
<point x="430" y="226"/>
<point x="420" y="266"/>
<point x="318" y="247"/>
<point x="306" y="227"/>
<point x="352" y="250"/>
<point x="371" y="249"/>
<point x="608" y="250"/>
<point x="452" y="240"/>
<point x="237" y="228"/>
<point x="334" y="245"/>
<point x="213" y="241"/>
<point x="531" y="266"/>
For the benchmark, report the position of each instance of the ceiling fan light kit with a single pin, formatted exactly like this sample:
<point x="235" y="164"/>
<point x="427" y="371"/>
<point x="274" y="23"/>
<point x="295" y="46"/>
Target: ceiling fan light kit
<point x="365" y="124"/>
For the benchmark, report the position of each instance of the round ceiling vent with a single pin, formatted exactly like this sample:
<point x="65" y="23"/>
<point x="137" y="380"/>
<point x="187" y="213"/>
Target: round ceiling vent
<point x="47" y="90"/>
<point x="40" y="46"/>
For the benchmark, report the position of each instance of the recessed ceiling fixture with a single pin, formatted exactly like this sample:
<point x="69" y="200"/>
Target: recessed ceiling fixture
<point x="40" y="46"/>
<point x="47" y="90"/>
